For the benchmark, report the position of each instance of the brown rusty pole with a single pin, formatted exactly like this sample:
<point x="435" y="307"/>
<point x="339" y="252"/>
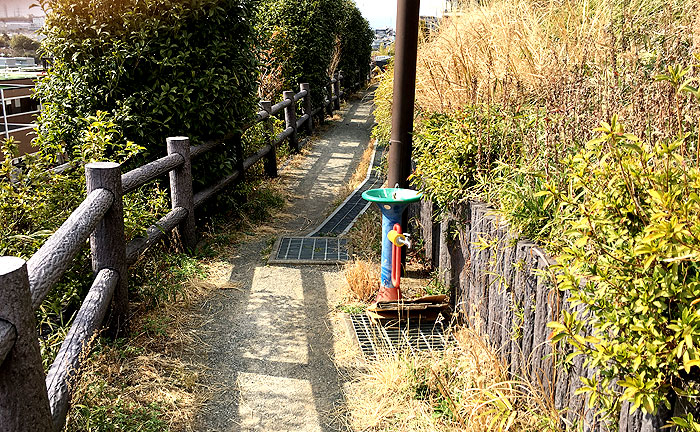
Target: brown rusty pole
<point x="406" y="46"/>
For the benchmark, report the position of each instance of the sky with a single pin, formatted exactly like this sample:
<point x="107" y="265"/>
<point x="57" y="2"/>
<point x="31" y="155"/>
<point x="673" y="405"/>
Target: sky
<point x="13" y="8"/>
<point x="382" y="13"/>
<point x="379" y="13"/>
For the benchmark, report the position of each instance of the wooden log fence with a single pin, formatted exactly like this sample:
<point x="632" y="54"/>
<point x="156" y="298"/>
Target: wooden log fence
<point x="33" y="401"/>
<point x="503" y="289"/>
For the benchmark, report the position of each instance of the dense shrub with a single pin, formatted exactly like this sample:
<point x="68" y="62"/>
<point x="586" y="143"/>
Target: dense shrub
<point x="356" y="38"/>
<point x="307" y="41"/>
<point x="630" y="252"/>
<point x="158" y="68"/>
<point x="297" y="39"/>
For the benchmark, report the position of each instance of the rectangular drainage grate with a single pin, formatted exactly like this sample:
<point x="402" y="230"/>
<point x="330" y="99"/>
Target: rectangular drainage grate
<point x="397" y="336"/>
<point x="310" y="250"/>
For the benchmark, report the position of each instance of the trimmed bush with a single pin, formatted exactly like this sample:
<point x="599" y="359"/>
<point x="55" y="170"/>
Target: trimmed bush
<point x="159" y="68"/>
<point x="297" y="41"/>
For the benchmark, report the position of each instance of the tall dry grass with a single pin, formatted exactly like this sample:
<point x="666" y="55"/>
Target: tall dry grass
<point x="465" y="388"/>
<point x="583" y="59"/>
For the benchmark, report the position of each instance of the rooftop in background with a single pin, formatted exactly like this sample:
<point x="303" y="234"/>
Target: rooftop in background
<point x="19" y="8"/>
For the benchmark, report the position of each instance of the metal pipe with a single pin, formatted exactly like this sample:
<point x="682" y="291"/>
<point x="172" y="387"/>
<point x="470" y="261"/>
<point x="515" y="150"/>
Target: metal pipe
<point x="406" y="44"/>
<point x="4" y="113"/>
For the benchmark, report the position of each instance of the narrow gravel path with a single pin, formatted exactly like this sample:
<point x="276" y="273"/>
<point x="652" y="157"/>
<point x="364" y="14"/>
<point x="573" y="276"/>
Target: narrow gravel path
<point x="271" y="342"/>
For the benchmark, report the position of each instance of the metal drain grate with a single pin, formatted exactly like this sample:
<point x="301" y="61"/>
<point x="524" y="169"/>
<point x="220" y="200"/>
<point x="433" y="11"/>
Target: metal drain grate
<point x="310" y="250"/>
<point x="397" y="336"/>
<point x="343" y="217"/>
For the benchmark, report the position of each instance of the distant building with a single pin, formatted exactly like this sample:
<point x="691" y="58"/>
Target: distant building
<point x="383" y="37"/>
<point x="431" y="23"/>
<point x="17" y="62"/>
<point x="18" y="110"/>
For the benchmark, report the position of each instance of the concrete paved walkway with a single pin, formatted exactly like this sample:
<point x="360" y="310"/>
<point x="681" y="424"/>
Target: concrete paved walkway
<point x="271" y="342"/>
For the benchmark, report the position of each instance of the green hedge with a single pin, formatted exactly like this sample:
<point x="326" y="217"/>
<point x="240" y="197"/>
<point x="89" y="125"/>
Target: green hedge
<point x="159" y="68"/>
<point x="308" y="40"/>
<point x="356" y="38"/>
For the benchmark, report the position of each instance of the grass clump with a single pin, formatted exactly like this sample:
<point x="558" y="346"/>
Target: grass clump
<point x="464" y="388"/>
<point x="363" y="280"/>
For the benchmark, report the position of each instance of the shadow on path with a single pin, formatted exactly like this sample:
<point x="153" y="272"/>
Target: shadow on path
<point x="271" y="341"/>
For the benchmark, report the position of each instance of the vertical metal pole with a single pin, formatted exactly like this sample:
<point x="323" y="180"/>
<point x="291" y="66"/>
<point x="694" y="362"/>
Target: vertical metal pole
<point x="4" y="113"/>
<point x="406" y="45"/>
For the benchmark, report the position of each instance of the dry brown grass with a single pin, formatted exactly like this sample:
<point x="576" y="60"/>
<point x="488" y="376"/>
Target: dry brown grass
<point x="153" y="378"/>
<point x="156" y="368"/>
<point x="363" y="280"/>
<point x="463" y="389"/>
<point x="576" y="59"/>
<point x="357" y="177"/>
<point x="365" y="236"/>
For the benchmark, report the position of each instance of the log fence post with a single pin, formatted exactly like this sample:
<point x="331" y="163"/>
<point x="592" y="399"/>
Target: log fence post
<point x="336" y="90"/>
<point x="290" y="119"/>
<point x="24" y="402"/>
<point x="271" y="158"/>
<point x="329" y="90"/>
<point x="107" y="242"/>
<point x="237" y="142"/>
<point x="307" y="107"/>
<point x="181" y="190"/>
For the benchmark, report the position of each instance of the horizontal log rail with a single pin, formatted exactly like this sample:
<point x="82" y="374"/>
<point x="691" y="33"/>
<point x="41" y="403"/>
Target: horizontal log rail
<point x="152" y="170"/>
<point x="49" y="263"/>
<point x="100" y="218"/>
<point x="65" y="369"/>
<point x="154" y="233"/>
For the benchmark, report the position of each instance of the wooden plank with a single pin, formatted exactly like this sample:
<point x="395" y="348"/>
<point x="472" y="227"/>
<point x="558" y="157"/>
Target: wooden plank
<point x="507" y="294"/>
<point x="475" y="294"/>
<point x="47" y="265"/>
<point x="24" y="404"/>
<point x="64" y="372"/>
<point x="540" y="330"/>
<point x="445" y="262"/>
<point x="493" y="278"/>
<point x="563" y="372"/>
<point x="529" y="287"/>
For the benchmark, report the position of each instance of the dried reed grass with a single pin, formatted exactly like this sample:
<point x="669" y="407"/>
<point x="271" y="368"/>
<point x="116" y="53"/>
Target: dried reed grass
<point x="572" y="57"/>
<point x="465" y="388"/>
<point x="363" y="280"/>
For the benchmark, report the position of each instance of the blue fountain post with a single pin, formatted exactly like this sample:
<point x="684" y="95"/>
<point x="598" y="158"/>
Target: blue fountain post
<point x="391" y="214"/>
<point x="392" y="202"/>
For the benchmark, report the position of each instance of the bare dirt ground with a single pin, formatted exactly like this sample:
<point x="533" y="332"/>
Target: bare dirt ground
<point x="270" y="338"/>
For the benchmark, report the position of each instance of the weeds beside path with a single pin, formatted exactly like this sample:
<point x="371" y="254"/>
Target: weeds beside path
<point x="269" y="337"/>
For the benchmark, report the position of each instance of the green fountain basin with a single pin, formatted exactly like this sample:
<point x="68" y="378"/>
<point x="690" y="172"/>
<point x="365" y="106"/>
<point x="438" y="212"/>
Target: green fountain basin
<point x="392" y="195"/>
